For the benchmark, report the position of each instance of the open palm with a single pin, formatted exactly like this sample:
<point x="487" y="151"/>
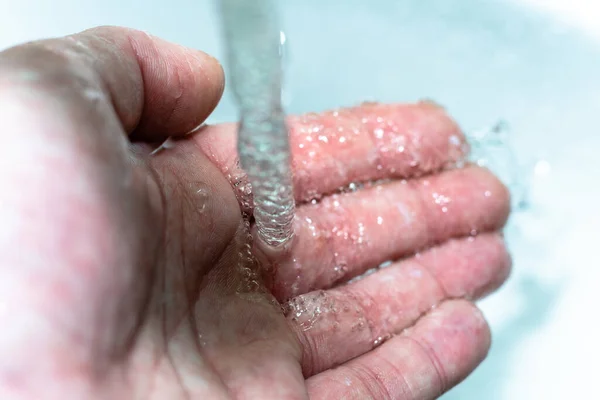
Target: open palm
<point x="130" y="273"/>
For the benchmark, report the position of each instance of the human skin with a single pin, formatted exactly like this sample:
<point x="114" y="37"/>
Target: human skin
<point x="129" y="273"/>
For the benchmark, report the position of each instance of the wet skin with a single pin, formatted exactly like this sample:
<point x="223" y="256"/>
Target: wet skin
<point x="127" y="273"/>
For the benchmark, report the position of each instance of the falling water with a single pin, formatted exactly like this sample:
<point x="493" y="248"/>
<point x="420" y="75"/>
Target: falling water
<point x="254" y="53"/>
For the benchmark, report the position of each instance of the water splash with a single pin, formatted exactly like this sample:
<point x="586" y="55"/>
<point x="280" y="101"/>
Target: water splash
<point x="492" y="148"/>
<point x="254" y="47"/>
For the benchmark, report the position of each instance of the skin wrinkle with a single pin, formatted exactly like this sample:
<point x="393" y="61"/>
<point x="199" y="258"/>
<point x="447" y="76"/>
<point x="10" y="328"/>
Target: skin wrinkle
<point x="142" y="87"/>
<point x="427" y="216"/>
<point x="151" y="179"/>
<point x="434" y="278"/>
<point x="175" y="103"/>
<point x="435" y="363"/>
<point x="125" y="117"/>
<point x="399" y="373"/>
<point x="370" y="382"/>
<point x="363" y="313"/>
<point x="396" y="372"/>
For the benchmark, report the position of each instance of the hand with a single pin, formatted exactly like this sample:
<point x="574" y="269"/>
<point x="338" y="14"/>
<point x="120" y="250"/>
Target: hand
<point x="130" y="274"/>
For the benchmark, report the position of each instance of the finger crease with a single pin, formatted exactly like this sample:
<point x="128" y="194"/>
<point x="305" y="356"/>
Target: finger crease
<point x="434" y="361"/>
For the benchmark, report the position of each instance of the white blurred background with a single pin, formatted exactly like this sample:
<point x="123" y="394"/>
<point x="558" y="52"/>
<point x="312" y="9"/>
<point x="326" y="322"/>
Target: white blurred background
<point x="532" y="63"/>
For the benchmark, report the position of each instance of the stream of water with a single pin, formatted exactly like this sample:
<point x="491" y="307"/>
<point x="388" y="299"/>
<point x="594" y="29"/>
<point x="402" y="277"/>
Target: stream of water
<point x="252" y="37"/>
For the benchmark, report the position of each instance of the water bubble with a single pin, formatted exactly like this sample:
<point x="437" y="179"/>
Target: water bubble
<point x="340" y="270"/>
<point x="311" y="226"/>
<point x="359" y="326"/>
<point x="307" y="309"/>
<point x="441" y="200"/>
<point x="361" y="233"/>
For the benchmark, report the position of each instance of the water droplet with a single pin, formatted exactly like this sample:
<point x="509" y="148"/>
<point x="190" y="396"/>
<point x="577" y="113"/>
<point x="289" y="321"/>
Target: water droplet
<point x="379" y="220"/>
<point x="169" y="143"/>
<point x="454" y="140"/>
<point x="441" y="200"/>
<point x="202" y="197"/>
<point x="361" y="233"/>
<point x="201" y="340"/>
<point x="340" y="270"/>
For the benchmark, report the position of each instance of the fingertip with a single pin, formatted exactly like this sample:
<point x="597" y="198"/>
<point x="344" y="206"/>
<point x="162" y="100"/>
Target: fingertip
<point x="424" y="362"/>
<point x="182" y="87"/>
<point x="158" y="88"/>
<point x="457" y="338"/>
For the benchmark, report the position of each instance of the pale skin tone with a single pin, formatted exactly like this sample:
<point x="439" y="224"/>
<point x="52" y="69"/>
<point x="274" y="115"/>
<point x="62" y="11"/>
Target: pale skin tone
<point x="125" y="274"/>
